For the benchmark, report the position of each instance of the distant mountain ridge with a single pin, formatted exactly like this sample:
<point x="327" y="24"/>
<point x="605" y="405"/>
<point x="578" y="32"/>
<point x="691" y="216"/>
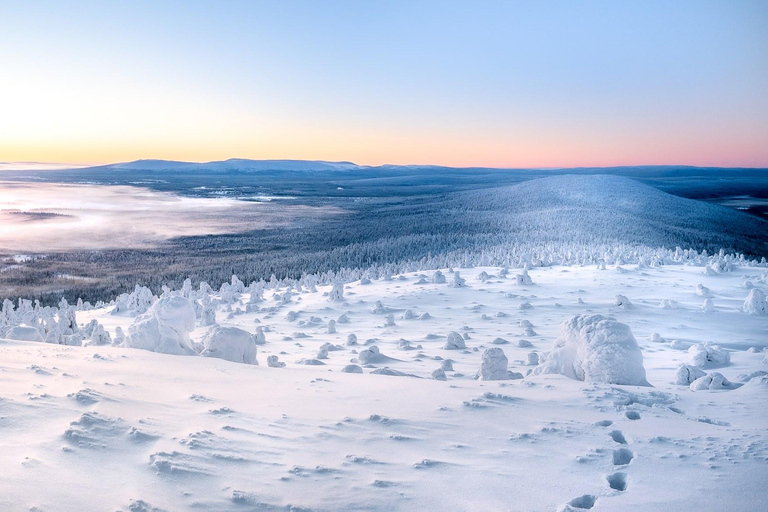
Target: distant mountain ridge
<point x="234" y="164"/>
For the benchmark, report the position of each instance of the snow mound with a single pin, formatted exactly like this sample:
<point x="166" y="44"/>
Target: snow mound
<point x="593" y="348"/>
<point x="164" y="328"/>
<point x="707" y="355"/>
<point x="23" y="333"/>
<point x="230" y="343"/>
<point x="493" y="365"/>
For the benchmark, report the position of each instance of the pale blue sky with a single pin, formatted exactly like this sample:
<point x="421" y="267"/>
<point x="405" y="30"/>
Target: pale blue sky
<point x="459" y="83"/>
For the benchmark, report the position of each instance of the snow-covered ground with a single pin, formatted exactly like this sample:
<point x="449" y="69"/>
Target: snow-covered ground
<point x="113" y="428"/>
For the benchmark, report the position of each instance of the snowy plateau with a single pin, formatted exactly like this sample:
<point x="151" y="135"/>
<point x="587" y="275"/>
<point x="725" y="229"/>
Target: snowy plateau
<point x="534" y="348"/>
<point x="350" y="396"/>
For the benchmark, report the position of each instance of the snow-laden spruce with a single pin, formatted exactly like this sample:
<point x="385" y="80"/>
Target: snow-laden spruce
<point x="595" y="349"/>
<point x="165" y="327"/>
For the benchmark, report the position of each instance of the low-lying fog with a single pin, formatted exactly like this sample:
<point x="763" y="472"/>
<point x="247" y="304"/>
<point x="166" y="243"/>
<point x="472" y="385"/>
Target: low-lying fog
<point x="40" y="217"/>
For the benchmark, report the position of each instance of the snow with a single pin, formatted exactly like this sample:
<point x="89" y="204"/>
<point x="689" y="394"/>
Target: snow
<point x="103" y="427"/>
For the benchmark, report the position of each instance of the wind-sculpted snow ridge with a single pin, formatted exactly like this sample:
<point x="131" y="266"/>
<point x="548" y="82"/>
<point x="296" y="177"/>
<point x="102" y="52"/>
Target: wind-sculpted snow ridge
<point x="389" y="416"/>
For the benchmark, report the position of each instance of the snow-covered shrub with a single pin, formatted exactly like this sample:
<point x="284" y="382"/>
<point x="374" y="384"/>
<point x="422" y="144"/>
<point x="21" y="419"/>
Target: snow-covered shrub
<point x="230" y="343"/>
<point x="119" y="336"/>
<point x="708" y="306"/>
<point x="711" y="381"/>
<point x="352" y="368"/>
<point x="621" y="301"/>
<point x="687" y="374"/>
<point x="165" y="327"/>
<point x="351" y="339"/>
<point x="439" y="374"/>
<point x="708" y="355"/>
<point x="493" y="365"/>
<point x="371" y="355"/>
<point x="524" y="278"/>
<point x="337" y="292"/>
<point x="668" y="304"/>
<point x="208" y="313"/>
<point x="454" y="341"/>
<point x="331" y="327"/>
<point x="99" y="336"/>
<point x="703" y="291"/>
<point x="259" y="338"/>
<point x="593" y="348"/>
<point x="755" y="303"/>
<point x="134" y="303"/>
<point x="273" y="362"/>
<point x="438" y="277"/>
<point x="457" y="282"/>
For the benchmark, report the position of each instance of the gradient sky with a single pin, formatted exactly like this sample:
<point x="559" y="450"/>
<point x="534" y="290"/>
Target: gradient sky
<point x="503" y="84"/>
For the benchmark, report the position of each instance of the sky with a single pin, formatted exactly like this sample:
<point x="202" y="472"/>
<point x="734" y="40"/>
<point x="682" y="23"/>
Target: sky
<point x="480" y="83"/>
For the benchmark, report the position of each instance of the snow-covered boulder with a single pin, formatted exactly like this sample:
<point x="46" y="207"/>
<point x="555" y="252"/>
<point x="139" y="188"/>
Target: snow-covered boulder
<point x="23" y="333"/>
<point x="165" y="327"/>
<point x="493" y="365"/>
<point x="454" y="341"/>
<point x="687" y="374"/>
<point x="708" y="355"/>
<point x="273" y="362"/>
<point x="755" y="303"/>
<point x="703" y="291"/>
<point x="594" y="348"/>
<point x="230" y="343"/>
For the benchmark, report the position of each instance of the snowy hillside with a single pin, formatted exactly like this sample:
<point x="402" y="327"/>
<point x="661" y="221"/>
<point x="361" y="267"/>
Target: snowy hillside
<point x="598" y="208"/>
<point x="618" y="387"/>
